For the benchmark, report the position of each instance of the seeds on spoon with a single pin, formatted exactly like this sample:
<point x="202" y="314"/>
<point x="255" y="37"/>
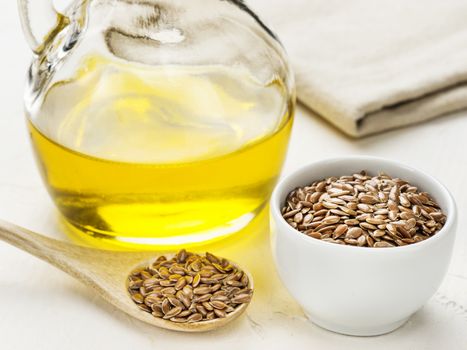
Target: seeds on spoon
<point x="189" y="288"/>
<point x="365" y="211"/>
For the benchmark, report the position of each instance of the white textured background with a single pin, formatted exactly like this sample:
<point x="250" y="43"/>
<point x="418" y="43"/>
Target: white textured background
<point x="41" y="308"/>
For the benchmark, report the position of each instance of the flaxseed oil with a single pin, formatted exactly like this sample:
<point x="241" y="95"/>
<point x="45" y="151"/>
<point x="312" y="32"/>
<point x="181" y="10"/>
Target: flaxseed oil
<point x="160" y="156"/>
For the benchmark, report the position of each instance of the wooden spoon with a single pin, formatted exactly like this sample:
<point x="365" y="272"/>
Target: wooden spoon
<point x="104" y="271"/>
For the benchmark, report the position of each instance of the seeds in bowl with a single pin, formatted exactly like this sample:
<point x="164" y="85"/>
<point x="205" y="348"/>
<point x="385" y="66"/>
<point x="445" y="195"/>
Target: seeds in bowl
<point x="365" y="211"/>
<point x="189" y="287"/>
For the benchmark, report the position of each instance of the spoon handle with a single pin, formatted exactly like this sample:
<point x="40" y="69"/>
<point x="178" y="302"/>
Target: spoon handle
<point x="50" y="250"/>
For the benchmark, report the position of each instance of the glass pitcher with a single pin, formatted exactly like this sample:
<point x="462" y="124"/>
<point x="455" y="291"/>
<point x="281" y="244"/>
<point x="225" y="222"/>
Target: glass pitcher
<point x="156" y="122"/>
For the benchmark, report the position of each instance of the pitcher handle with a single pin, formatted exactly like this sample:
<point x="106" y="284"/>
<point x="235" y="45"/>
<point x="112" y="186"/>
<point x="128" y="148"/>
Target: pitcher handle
<point x="40" y="21"/>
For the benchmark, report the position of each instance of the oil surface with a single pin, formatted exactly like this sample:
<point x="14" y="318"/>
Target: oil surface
<point x="169" y="156"/>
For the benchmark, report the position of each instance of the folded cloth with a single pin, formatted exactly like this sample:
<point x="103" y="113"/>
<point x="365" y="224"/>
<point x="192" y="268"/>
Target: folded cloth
<point x="373" y="65"/>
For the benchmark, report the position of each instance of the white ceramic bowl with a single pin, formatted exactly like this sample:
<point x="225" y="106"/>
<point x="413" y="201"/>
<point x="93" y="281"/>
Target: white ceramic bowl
<point x="355" y="290"/>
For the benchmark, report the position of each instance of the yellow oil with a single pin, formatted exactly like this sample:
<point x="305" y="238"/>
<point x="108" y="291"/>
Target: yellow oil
<point x="160" y="156"/>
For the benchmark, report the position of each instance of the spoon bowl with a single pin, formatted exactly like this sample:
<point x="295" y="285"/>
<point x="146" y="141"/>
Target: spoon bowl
<point x="106" y="272"/>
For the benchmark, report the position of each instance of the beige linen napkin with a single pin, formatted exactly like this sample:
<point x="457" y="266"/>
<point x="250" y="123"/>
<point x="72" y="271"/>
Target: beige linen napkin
<point x="373" y="65"/>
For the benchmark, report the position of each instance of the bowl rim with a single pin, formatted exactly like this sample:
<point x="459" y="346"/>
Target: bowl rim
<point x="275" y="206"/>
